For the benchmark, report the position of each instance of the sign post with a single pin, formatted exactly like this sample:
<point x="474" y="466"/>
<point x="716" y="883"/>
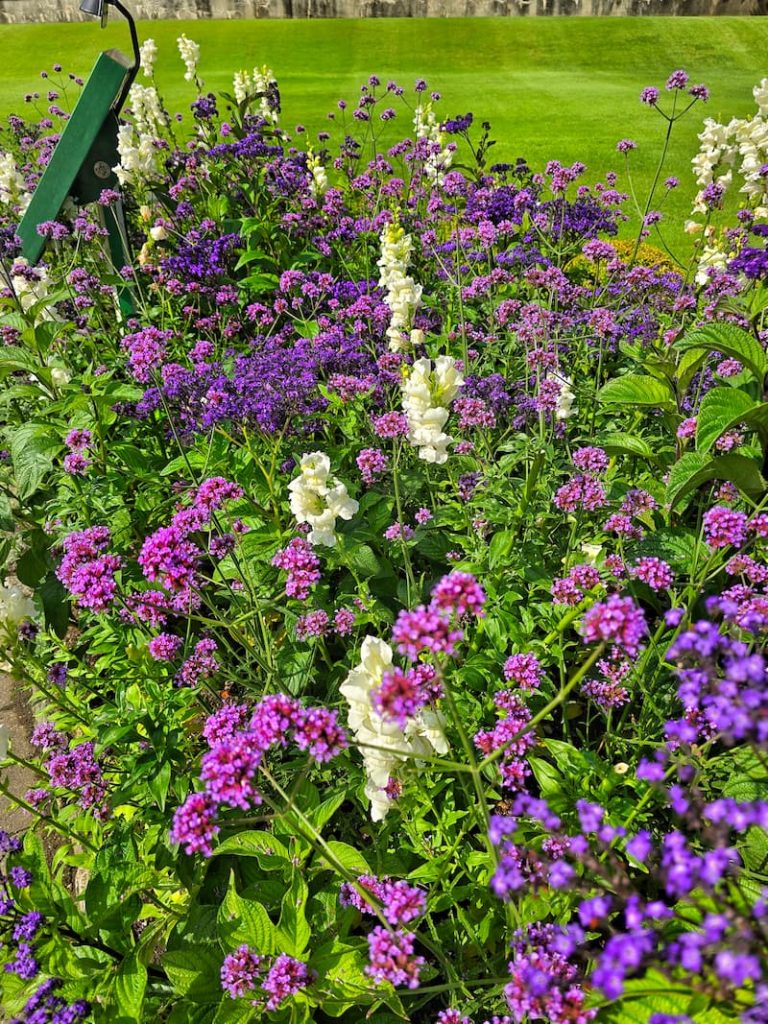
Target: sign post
<point x="82" y="163"/>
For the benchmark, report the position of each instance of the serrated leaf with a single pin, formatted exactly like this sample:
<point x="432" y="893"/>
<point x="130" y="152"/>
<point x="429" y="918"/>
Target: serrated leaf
<point x="737" y="469"/>
<point x="195" y="972"/>
<point x="627" y="444"/>
<point x="682" y="473"/>
<point x="637" y="389"/>
<point x="348" y="857"/>
<point x="244" y="921"/>
<point x="32" y="446"/>
<point x="269" y="851"/>
<point x="130" y="986"/>
<point x="721" y="409"/>
<point x="293" y="931"/>
<point x="731" y="341"/>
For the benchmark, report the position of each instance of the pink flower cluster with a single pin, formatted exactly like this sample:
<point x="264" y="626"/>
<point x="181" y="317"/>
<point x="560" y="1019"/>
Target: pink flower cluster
<point x="429" y="627"/>
<point x="525" y="670"/>
<point x="617" y="620"/>
<point x="390" y="957"/>
<point x="242" y="971"/>
<point x="79" y="442"/>
<point x="87" y="571"/>
<point x="509" y="735"/>
<point x="372" y="463"/>
<point x="169" y="557"/>
<point x="571" y="589"/>
<point x="404" y="691"/>
<point x="399" y="901"/>
<point x="237" y="747"/>
<point x="301" y="563"/>
<point x="724" y="527"/>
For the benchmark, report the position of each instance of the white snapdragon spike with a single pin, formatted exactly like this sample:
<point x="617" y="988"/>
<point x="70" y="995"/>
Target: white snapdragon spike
<point x="241" y="86"/>
<point x="190" y="55"/>
<point x="403" y="294"/>
<point x="383" y="744"/>
<point x="737" y="150"/>
<point x="12" y="184"/>
<point x="139" y="157"/>
<point x="319" y="499"/>
<point x="318" y="186"/>
<point x="147" y="114"/>
<point x="426" y="126"/>
<point x="564" y="406"/>
<point x="264" y="80"/>
<point x="148" y="56"/>
<point x="427" y="395"/>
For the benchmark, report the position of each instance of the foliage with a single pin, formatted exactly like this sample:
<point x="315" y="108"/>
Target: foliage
<point x="390" y="583"/>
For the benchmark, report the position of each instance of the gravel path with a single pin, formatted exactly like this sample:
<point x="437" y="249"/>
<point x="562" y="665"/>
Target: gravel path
<point x="16" y="714"/>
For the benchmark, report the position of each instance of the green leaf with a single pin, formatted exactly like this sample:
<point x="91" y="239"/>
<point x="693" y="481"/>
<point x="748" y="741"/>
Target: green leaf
<point x="731" y="341"/>
<point x="194" y="972"/>
<point x="269" y="851"/>
<point x="721" y="409"/>
<point x="682" y="473"/>
<point x="364" y="561"/>
<point x="348" y="857"/>
<point x="130" y="986"/>
<point x="159" y="782"/>
<point x="627" y="444"/>
<point x="233" y="1011"/>
<point x="293" y="931"/>
<point x="320" y="816"/>
<point x="637" y="389"/>
<point x="244" y="921"/>
<point x="744" y="473"/>
<point x="32" y="446"/>
<point x="55" y="604"/>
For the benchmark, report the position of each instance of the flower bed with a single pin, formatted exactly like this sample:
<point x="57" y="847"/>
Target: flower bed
<point x="392" y="578"/>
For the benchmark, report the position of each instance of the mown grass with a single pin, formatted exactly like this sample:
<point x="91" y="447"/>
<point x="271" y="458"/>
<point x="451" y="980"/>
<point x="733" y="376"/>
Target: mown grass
<point x="551" y="88"/>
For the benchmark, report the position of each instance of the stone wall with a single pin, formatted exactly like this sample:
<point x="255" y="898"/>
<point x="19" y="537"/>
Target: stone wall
<point x="67" y="10"/>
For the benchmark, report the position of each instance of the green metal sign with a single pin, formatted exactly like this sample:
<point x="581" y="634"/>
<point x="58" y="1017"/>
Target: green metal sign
<point x="81" y="165"/>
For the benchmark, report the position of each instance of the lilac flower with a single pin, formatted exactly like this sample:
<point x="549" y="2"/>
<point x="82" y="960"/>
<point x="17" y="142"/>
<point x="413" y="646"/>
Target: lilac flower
<point x="657" y="574"/>
<point x="165" y="647"/>
<point x="317" y="731"/>
<point x="224" y="723"/>
<point x="301" y="563"/>
<point x="228" y="770"/>
<point x="241" y="971"/>
<point x="391" y="958"/>
<point x="619" y="621"/>
<point x="372" y="463"/>
<point x="724" y="527"/>
<point x="424" y="629"/>
<point x="525" y="670"/>
<point x="200" y="666"/>
<point x="194" y="824"/>
<point x="285" y="978"/>
<point x="677" y="80"/>
<point x="458" y="594"/>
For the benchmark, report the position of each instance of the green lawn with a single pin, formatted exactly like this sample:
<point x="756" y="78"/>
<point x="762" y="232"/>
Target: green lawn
<point x="552" y="88"/>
